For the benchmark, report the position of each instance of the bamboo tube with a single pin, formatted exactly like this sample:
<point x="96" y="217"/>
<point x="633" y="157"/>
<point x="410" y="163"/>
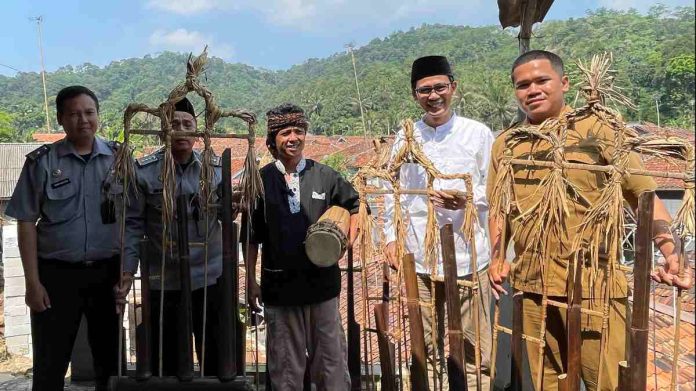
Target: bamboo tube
<point x="353" y="328"/>
<point x="641" y="295"/>
<point x="419" y="373"/>
<point x="386" y="348"/>
<point x="677" y="318"/>
<point x="571" y="380"/>
<point x="456" y="362"/>
<point x="226" y="350"/>
<point x="517" y="337"/>
<point x="184" y="323"/>
<point x="143" y="363"/>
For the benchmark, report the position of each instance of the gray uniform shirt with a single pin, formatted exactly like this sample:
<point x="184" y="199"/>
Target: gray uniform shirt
<point x="144" y="217"/>
<point x="65" y="193"/>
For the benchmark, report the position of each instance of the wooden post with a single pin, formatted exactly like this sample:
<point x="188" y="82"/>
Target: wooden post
<point x="184" y="322"/>
<point x="353" y="330"/>
<point x="226" y="350"/>
<point x="386" y="348"/>
<point x="456" y="370"/>
<point x="143" y="363"/>
<point x="517" y="344"/>
<point x="419" y="373"/>
<point x="624" y="376"/>
<point x="573" y="329"/>
<point x="637" y="360"/>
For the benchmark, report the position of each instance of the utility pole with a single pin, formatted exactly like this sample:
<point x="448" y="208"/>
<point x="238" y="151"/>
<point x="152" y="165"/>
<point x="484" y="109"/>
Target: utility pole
<point x="357" y="88"/>
<point x="39" y="20"/>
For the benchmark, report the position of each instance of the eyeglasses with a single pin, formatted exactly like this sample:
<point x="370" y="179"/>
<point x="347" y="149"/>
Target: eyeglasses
<point x="438" y="88"/>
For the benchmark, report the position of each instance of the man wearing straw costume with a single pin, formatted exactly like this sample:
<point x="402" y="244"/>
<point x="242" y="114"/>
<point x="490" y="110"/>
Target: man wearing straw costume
<point x="144" y="217"/>
<point x="540" y="85"/>
<point x="455" y="145"/>
<point x="300" y="298"/>
<point x="65" y="206"/>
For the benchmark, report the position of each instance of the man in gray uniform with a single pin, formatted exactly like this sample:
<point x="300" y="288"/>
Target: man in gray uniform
<point x="144" y="218"/>
<point x="69" y="242"/>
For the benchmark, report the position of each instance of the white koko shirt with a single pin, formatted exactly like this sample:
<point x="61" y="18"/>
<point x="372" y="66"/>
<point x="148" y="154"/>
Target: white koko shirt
<point x="459" y="146"/>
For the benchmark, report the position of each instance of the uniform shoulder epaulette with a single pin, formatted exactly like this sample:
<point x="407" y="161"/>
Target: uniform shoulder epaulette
<point x="149" y="159"/>
<point x="216" y="161"/>
<point x="114" y="145"/>
<point x="38" y="152"/>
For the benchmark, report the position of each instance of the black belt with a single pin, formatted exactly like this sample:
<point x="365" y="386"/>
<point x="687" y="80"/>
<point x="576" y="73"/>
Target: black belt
<point x="79" y="264"/>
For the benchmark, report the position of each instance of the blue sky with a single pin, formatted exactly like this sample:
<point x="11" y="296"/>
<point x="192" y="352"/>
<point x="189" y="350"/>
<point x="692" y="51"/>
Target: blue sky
<point x="273" y="34"/>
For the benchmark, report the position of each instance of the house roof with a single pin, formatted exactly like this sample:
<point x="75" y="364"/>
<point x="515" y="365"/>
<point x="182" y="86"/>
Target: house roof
<point x="661" y="337"/>
<point x="47" y="138"/>
<point x="666" y="164"/>
<point x="12" y="157"/>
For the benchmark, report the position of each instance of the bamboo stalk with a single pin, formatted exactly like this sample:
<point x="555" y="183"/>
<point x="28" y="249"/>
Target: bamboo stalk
<point x="386" y="348"/>
<point x="591" y="167"/>
<point x="573" y="331"/>
<point x="419" y="373"/>
<point x="353" y="328"/>
<point x="641" y="295"/>
<point x="456" y="362"/>
<point x="677" y="318"/>
<point x="182" y="134"/>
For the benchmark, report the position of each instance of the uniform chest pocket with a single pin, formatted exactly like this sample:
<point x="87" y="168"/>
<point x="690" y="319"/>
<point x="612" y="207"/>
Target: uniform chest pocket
<point x="61" y="203"/>
<point x="155" y="199"/>
<point x="585" y="180"/>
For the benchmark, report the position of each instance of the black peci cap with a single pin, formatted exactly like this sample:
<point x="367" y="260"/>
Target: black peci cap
<point x="429" y="66"/>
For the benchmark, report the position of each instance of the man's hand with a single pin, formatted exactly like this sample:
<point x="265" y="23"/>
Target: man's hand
<point x="254" y="296"/>
<point x="121" y="291"/>
<point x="497" y="273"/>
<point x="447" y="201"/>
<point x="669" y="273"/>
<point x="36" y="297"/>
<point x="390" y="255"/>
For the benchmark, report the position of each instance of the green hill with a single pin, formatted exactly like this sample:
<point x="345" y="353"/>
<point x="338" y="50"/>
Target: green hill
<point x="653" y="53"/>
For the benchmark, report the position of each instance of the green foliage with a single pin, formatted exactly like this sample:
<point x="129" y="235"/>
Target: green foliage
<point x="6" y="129"/>
<point x="653" y="56"/>
<point x="338" y="162"/>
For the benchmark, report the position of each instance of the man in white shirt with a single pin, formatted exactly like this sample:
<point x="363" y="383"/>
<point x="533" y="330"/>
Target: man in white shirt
<point x="455" y="145"/>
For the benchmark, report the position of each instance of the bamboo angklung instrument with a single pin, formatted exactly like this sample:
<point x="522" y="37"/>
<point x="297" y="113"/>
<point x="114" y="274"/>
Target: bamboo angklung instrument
<point x="184" y="322"/>
<point x="143" y="364"/>
<point x="419" y="372"/>
<point x="456" y="369"/>
<point x="638" y="334"/>
<point x="227" y="348"/>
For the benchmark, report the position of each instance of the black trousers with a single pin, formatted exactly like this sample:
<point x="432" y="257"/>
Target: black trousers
<point x="170" y="348"/>
<point x="74" y="290"/>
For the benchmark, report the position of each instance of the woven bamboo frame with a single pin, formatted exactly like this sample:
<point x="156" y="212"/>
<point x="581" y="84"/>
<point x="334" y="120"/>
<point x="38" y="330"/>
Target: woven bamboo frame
<point x="387" y="171"/>
<point x="251" y="185"/>
<point x="604" y="220"/>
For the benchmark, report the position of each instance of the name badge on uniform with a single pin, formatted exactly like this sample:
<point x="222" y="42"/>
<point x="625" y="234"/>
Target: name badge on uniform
<point x="318" y="196"/>
<point x="60" y="183"/>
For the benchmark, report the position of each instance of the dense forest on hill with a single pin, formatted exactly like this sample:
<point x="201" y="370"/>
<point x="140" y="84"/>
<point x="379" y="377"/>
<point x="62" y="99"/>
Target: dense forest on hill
<point x="653" y="57"/>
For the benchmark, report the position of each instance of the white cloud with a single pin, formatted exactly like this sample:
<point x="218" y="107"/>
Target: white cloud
<point x="184" y="6"/>
<point x="333" y="14"/>
<point x="190" y="41"/>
